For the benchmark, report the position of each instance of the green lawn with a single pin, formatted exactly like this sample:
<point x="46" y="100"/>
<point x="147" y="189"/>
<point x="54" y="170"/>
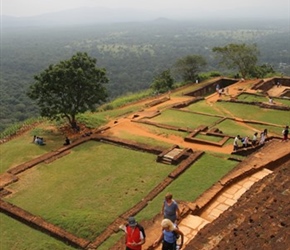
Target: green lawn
<point x="144" y="140"/>
<point x="204" y="107"/>
<point x="230" y="127"/>
<point x="261" y="98"/>
<point x="21" y="149"/>
<point x="197" y="179"/>
<point x="252" y="98"/>
<point x="86" y="190"/>
<point x="162" y="131"/>
<point x="89" y="188"/>
<point x="184" y="119"/>
<point x="272" y="130"/>
<point x="251" y="112"/>
<point x="18" y="236"/>
<point x="285" y="102"/>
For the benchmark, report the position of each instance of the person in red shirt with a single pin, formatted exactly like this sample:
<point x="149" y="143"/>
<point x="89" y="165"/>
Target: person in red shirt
<point x="135" y="234"/>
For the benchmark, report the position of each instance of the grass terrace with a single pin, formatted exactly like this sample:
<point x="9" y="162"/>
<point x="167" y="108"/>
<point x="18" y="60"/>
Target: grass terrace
<point x="255" y="113"/>
<point x="261" y="98"/>
<point x="184" y="119"/>
<point x="21" y="149"/>
<point x="198" y="178"/>
<point x="204" y="107"/>
<point x="68" y="192"/>
<point x="16" y="235"/>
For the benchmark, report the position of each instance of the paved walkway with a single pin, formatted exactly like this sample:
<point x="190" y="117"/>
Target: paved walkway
<point x="191" y="224"/>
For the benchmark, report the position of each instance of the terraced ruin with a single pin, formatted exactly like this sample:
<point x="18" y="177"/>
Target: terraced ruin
<point x="175" y="131"/>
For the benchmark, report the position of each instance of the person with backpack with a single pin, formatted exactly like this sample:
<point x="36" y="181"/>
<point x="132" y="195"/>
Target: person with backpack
<point x="169" y="236"/>
<point x="135" y="234"/>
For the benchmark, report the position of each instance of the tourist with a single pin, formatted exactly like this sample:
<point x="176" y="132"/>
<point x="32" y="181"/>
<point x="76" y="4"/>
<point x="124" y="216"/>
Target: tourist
<point x="217" y="88"/>
<point x="245" y="141"/>
<point x="170" y="209"/>
<point x="285" y="133"/>
<point x="265" y="132"/>
<point x="236" y="142"/>
<point x="255" y="139"/>
<point x="169" y="236"/>
<point x="262" y="138"/>
<point x="39" y="141"/>
<point x="67" y="141"/>
<point x="135" y="234"/>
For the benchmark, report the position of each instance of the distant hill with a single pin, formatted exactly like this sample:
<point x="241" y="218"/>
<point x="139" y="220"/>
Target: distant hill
<point x="86" y="15"/>
<point x="81" y="16"/>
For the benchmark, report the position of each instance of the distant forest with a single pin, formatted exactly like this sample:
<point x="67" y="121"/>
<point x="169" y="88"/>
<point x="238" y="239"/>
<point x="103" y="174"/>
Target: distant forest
<point x="132" y="53"/>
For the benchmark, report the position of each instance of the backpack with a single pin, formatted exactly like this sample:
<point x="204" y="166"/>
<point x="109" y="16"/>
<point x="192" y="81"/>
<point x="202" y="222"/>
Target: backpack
<point x="177" y="235"/>
<point x="140" y="228"/>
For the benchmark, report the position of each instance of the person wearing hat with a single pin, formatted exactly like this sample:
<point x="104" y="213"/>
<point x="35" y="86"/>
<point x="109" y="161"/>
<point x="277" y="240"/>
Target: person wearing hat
<point x="135" y="234"/>
<point x="169" y="236"/>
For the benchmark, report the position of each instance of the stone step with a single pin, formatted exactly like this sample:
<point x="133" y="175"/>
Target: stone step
<point x="190" y="226"/>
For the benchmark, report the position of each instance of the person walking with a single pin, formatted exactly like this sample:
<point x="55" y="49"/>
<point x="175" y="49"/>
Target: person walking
<point x="170" y="209"/>
<point x="135" y="234"/>
<point x="169" y="236"/>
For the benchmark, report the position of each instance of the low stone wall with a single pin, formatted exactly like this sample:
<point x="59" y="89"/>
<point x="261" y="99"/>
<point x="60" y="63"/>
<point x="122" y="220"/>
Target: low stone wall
<point x="185" y="164"/>
<point x="224" y="139"/>
<point x="259" y="104"/>
<point x="211" y="88"/>
<point x="156" y="102"/>
<point x="266" y="85"/>
<point x="187" y="103"/>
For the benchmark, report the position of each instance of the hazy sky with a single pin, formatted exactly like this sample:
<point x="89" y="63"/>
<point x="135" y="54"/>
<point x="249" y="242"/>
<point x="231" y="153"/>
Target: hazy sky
<point x="36" y="7"/>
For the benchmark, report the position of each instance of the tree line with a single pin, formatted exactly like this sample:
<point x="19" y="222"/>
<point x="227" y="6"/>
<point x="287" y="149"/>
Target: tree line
<point x="133" y="54"/>
<point x="77" y="85"/>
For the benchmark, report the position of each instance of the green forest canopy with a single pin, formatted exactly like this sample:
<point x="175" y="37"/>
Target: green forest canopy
<point x="132" y="53"/>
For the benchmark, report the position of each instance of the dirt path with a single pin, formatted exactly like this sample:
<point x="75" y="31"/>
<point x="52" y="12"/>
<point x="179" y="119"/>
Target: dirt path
<point x="125" y="124"/>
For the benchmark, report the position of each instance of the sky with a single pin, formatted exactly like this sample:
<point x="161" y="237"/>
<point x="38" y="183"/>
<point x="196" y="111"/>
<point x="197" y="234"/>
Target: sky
<point x="24" y="8"/>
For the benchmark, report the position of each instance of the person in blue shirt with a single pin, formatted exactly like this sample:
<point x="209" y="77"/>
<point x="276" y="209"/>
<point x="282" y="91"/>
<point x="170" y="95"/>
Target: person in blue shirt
<point x="170" y="209"/>
<point x="169" y="236"/>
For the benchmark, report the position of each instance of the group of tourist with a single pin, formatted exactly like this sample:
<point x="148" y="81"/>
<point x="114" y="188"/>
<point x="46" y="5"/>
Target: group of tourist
<point x="38" y="140"/>
<point x="246" y="141"/>
<point x="135" y="233"/>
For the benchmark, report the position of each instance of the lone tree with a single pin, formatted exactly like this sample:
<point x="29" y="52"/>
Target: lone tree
<point x="189" y="67"/>
<point x="163" y="82"/>
<point x="69" y="88"/>
<point x="239" y="57"/>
